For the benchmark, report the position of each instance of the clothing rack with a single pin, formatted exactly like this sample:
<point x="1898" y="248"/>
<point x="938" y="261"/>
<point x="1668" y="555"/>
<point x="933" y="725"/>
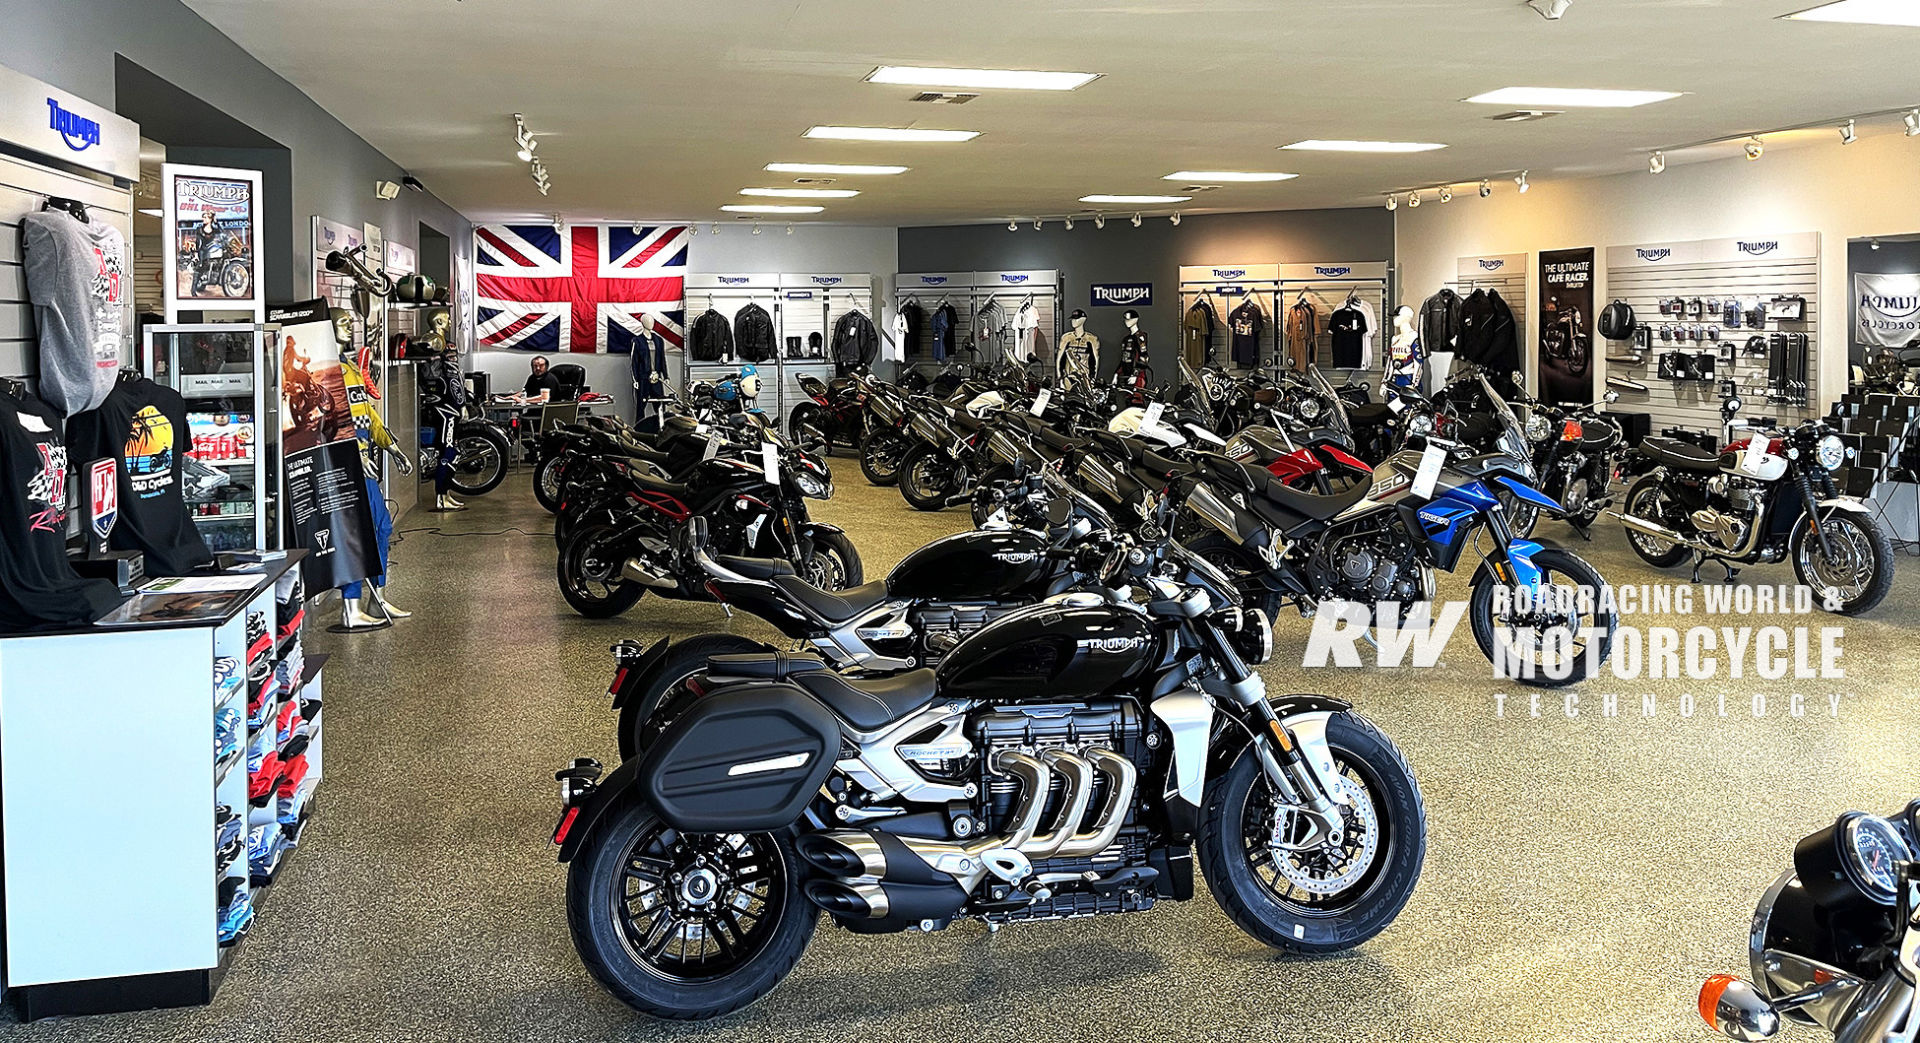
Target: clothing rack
<point x="970" y="293"/>
<point x="1328" y="287"/>
<point x="1226" y="287"/>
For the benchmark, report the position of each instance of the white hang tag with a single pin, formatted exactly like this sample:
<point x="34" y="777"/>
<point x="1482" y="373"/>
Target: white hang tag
<point x="1041" y="401"/>
<point x="1755" y="457"/>
<point x="770" y="462"/>
<point x="1431" y="461"/>
<point x="1152" y="416"/>
<point x="1395" y="404"/>
<point x="998" y="520"/>
<point x="712" y="450"/>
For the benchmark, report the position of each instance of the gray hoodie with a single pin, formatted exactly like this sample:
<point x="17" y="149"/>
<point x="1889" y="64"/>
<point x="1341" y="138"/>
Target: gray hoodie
<point x="78" y="280"/>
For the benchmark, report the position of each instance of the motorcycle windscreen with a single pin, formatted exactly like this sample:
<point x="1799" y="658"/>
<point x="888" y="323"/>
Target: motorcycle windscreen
<point x="746" y="758"/>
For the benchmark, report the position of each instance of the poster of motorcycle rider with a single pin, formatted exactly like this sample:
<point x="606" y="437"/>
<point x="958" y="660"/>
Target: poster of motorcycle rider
<point x="1566" y="325"/>
<point x="212" y="216"/>
<point x="325" y="491"/>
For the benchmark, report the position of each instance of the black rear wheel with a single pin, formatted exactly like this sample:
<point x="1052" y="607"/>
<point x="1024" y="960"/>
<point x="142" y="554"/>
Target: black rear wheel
<point x="549" y="479"/>
<point x="928" y="478"/>
<point x="880" y="454"/>
<point x="1647" y="498"/>
<point x="589" y="573"/>
<point x="663" y="694"/>
<point x="479" y="463"/>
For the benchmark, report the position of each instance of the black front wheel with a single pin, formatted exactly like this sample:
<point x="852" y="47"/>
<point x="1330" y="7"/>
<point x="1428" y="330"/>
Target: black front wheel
<point x="1551" y="635"/>
<point x="688" y="926"/>
<point x="1334" y="896"/>
<point x="834" y="562"/>
<point x="479" y="462"/>
<point x="928" y="477"/>
<point x="589" y="573"/>
<point x="549" y="480"/>
<point x="1854" y="571"/>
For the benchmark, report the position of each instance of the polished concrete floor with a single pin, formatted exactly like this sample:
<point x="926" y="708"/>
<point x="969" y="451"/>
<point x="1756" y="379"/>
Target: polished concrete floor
<point x="1583" y="873"/>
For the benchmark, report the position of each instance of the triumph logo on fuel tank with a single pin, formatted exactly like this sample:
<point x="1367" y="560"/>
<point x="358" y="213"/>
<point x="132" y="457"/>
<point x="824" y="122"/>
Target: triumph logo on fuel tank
<point x="79" y="132"/>
<point x="1014" y="557"/>
<point x="1653" y="255"/>
<point x="1112" y="644"/>
<point x="1758" y="249"/>
<point x="1109" y="294"/>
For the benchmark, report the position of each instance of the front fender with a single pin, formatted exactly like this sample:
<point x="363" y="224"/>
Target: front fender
<point x="1229" y="741"/>
<point x="1519" y="555"/>
<point x="1846" y="503"/>
<point x="814" y="528"/>
<point x="613" y="791"/>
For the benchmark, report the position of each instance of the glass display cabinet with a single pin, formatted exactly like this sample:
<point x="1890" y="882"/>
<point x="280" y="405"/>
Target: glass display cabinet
<point x="229" y="373"/>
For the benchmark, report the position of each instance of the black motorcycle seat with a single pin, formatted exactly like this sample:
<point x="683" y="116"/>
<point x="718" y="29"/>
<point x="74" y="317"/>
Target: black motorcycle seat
<point x="1132" y="449"/>
<point x="655" y="484"/>
<point x="1371" y="414"/>
<point x="965" y="422"/>
<point x="753" y="568"/>
<point x="1163" y="465"/>
<point x="870" y="704"/>
<point x="1314" y="505"/>
<point x="834" y="606"/>
<point x="777" y="666"/>
<point x="1681" y="456"/>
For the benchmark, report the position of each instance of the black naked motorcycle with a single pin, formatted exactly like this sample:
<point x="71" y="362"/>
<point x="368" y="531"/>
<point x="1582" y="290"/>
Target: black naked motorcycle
<point x="1576" y="453"/>
<point x="834" y="414"/>
<point x="1835" y="940"/>
<point x="1064" y="760"/>
<point x="1765" y="497"/>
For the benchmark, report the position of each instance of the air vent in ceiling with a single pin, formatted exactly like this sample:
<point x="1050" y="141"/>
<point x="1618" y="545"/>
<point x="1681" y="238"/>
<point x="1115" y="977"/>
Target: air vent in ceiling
<point x="814" y="180"/>
<point x="944" y="97"/>
<point x="1523" y="116"/>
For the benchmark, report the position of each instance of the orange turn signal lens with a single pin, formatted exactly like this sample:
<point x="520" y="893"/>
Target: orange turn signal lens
<point x="1710" y="993"/>
<point x="1572" y="431"/>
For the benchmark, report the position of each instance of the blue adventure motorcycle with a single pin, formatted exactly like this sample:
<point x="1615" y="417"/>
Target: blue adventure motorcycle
<point x="1535" y="608"/>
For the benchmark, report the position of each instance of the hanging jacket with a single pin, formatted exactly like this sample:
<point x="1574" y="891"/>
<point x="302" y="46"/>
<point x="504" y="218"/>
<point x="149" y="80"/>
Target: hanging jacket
<point x="1440" y="321"/>
<point x="1196" y="333"/>
<point x="1487" y="334"/>
<point x="753" y="333"/>
<point x="944" y="320"/>
<point x="712" y="339"/>
<point x="1303" y="325"/>
<point x="855" y="341"/>
<point x="908" y="323"/>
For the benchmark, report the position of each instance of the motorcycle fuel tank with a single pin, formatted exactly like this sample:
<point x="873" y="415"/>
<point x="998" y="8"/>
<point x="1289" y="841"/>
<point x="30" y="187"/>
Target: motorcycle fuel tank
<point x="1050" y="653"/>
<point x="970" y="566"/>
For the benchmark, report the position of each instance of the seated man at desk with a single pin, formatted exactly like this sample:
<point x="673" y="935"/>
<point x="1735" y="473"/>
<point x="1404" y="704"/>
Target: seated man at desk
<point x="542" y="386"/>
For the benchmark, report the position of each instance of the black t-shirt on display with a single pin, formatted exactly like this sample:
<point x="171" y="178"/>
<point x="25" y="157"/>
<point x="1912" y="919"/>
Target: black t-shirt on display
<point x="1245" y="324"/>
<point x="143" y="426"/>
<point x="38" y="586"/>
<point x="1348" y="327"/>
<point x="547" y="382"/>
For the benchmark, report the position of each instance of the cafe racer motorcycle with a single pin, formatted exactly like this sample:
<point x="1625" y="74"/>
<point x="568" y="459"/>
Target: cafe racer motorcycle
<point x="1065" y="760"/>
<point x="1763" y="498"/>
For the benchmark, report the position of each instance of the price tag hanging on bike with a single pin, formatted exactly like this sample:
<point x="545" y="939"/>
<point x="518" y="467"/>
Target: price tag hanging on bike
<point x="1424" y="479"/>
<point x="712" y="450"/>
<point x="770" y="462"/>
<point x="1152" y="416"/>
<point x="1040" y="402"/>
<point x="1755" y="458"/>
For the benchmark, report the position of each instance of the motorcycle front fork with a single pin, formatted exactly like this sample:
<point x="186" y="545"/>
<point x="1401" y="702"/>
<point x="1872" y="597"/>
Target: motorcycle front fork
<point x="1281" y="759"/>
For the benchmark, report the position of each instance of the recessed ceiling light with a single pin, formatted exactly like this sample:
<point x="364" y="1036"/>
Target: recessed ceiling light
<point x="889" y="134"/>
<point x="1569" y="98"/>
<point x="849" y="169"/>
<point x="1226" y="175"/>
<point x="758" y="208"/>
<point x="801" y="193"/>
<point x="153" y="212"/>
<point x="1134" y="200"/>
<point x="1866" y="12"/>
<point x="988" y="79"/>
<point x="1317" y="145"/>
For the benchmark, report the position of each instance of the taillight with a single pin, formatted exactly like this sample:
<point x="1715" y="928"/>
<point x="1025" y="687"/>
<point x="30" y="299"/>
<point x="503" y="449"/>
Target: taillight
<point x="619" y="678"/>
<point x="566" y="825"/>
<point x="1571" y="431"/>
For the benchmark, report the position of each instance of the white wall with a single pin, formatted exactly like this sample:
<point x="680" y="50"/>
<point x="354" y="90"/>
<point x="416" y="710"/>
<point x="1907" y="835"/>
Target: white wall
<point x="1842" y="192"/>
<point x="810" y="249"/>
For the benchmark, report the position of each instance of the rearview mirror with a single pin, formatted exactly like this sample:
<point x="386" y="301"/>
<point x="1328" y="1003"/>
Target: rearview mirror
<point x="1734" y="1008"/>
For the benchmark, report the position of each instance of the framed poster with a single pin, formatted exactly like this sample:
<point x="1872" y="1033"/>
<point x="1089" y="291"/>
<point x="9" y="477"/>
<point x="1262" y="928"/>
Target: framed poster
<point x="211" y="248"/>
<point x="1566" y="325"/>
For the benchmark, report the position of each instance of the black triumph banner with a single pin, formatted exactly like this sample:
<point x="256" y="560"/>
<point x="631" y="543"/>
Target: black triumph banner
<point x="1566" y="326"/>
<point x="325" y="485"/>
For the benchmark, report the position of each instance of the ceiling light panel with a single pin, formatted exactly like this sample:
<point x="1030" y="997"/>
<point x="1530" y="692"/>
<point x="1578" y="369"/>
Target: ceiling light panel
<point x="848" y="169"/>
<point x="1135" y="200"/>
<point x="1227" y="175"/>
<point x="801" y="193"/>
<point x="909" y="134"/>
<point x="769" y="208"/>
<point x="1865" y="12"/>
<point x="1570" y="98"/>
<point x="981" y="79"/>
<point x="1318" y="145"/>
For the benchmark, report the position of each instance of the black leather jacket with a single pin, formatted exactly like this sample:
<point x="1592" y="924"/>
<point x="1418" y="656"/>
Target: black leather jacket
<point x="753" y="334"/>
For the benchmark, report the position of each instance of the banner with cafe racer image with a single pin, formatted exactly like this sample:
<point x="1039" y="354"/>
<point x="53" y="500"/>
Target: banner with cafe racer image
<point x="1566" y="325"/>
<point x="326" y="492"/>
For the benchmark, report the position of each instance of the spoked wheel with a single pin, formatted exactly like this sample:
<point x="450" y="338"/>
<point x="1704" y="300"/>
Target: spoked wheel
<point x="236" y="280"/>
<point x="1338" y="894"/>
<point x="880" y="455"/>
<point x="1648" y="499"/>
<point x="834" y="563"/>
<point x="589" y="573"/>
<point x="479" y="464"/>
<point x="1544" y="636"/>
<point x="686" y="925"/>
<point x="1860" y="571"/>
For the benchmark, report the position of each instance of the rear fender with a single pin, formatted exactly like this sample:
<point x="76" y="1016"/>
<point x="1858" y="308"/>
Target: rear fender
<point x="612" y="792"/>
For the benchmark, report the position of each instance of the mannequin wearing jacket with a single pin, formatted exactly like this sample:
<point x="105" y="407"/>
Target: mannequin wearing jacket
<point x="1133" y="353"/>
<point x="1078" y="356"/>
<point x="375" y="610"/>
<point x="1404" y="357"/>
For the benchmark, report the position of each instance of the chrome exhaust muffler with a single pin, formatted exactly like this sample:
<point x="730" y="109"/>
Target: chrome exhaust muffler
<point x="635" y="571"/>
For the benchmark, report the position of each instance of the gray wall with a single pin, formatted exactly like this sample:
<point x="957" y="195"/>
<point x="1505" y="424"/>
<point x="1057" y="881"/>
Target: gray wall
<point x="72" y="44"/>
<point x="1152" y="253"/>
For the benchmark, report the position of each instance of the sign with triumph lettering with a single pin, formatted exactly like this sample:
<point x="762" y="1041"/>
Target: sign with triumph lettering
<point x="1886" y="309"/>
<point x="212" y="241"/>
<point x="42" y="118"/>
<point x="1122" y="294"/>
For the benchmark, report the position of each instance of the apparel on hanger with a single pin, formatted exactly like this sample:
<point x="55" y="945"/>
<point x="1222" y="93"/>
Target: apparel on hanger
<point x="1026" y="328"/>
<point x="753" y="334"/>
<point x="38" y="586"/>
<point x="79" y="284"/>
<point x="945" y="319"/>
<point x="1347" y="327"/>
<point x="142" y="426"/>
<point x="1196" y="332"/>
<point x="1245" y="325"/>
<point x="1303" y="328"/>
<point x="1365" y="309"/>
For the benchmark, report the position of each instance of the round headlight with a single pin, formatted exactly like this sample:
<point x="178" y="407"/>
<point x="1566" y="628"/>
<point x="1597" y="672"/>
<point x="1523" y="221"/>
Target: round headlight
<point x="1309" y="408"/>
<point x="1420" y="424"/>
<point x="810" y="484"/>
<point x="1537" y="427"/>
<point x="1831" y="452"/>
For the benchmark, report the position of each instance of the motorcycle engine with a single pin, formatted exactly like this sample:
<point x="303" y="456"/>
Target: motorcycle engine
<point x="1732" y="505"/>
<point x="1368" y="566"/>
<point x="943" y="626"/>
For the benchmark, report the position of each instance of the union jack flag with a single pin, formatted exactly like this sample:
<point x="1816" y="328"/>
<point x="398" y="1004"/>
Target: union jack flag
<point x="591" y="288"/>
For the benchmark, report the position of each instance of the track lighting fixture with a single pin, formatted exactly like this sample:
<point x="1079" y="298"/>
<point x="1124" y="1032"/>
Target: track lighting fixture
<point x="1068" y="221"/>
<point x="714" y="230"/>
<point x="1446" y="193"/>
<point x="756" y="228"/>
<point x="1486" y="188"/>
<point x="1912" y="120"/>
<point x="559" y="225"/>
<point x="1136" y="219"/>
<point x="1522" y="181"/>
<point x="1013" y="225"/>
<point x="1099" y="220"/>
<point x="1393" y="202"/>
<point x="1847" y="133"/>
<point x="1551" y="10"/>
<point x="1038" y="223"/>
<point x="1175" y="218"/>
<point x="1657" y="163"/>
<point x="1413" y="200"/>
<point x="1873" y="244"/>
<point x="789" y="229"/>
<point x="1754" y="148"/>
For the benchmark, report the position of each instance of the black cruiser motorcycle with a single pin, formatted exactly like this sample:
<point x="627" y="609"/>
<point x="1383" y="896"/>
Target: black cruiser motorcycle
<point x="1064" y="760"/>
<point x="1835" y="940"/>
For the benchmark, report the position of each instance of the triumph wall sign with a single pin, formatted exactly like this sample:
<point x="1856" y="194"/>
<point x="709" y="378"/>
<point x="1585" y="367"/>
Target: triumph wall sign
<point x="1886" y="309"/>
<point x="1122" y="294"/>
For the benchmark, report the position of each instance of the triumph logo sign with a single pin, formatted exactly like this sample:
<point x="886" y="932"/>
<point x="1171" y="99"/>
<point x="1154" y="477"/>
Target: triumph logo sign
<point x="1493" y="265"/>
<point x="733" y="280"/>
<point x="1886" y="308"/>
<point x="1112" y="644"/>
<point x="1014" y="279"/>
<point x="1110" y="294"/>
<point x="1229" y="273"/>
<point x="1331" y="273"/>
<point x="1653" y="255"/>
<point x="79" y="132"/>
<point x="1890" y="307"/>
<point x="1759" y="248"/>
<point x="932" y="280"/>
<point x="827" y="280"/>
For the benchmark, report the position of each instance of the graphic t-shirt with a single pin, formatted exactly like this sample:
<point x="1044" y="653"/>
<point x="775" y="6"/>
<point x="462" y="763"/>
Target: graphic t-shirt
<point x="38" y="586"/>
<point x="1196" y="334"/>
<point x="1349" y="328"/>
<point x="77" y="279"/>
<point x="1245" y="325"/>
<point x="143" y="426"/>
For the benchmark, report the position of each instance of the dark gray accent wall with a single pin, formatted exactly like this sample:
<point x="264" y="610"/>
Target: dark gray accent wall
<point x="1895" y="257"/>
<point x="1152" y="253"/>
<point x="73" y="44"/>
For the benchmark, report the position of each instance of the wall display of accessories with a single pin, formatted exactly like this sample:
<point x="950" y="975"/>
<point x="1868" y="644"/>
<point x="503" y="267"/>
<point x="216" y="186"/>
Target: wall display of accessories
<point x="1348" y="303"/>
<point x="1239" y="322"/>
<point x="978" y="319"/>
<point x="786" y="325"/>
<point x="1708" y="312"/>
<point x="1506" y="275"/>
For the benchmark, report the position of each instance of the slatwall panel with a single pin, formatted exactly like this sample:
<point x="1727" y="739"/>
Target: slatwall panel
<point x="970" y="293"/>
<point x="1696" y="404"/>
<point x="24" y="187"/>
<point x="728" y="301"/>
<point x="1512" y="289"/>
<point x="1327" y="297"/>
<point x="1009" y="302"/>
<point x="149" y="264"/>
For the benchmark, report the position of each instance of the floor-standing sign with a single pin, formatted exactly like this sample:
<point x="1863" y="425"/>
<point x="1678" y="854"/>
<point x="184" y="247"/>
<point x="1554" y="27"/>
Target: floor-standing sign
<point x="1566" y="325"/>
<point x="212" y="240"/>
<point x="326" y="489"/>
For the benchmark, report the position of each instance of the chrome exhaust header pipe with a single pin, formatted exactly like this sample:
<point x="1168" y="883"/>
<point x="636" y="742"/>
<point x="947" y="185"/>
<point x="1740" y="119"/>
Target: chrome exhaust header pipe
<point x="1654" y="529"/>
<point x="1078" y="775"/>
<point x="633" y="571"/>
<point x="1111" y="815"/>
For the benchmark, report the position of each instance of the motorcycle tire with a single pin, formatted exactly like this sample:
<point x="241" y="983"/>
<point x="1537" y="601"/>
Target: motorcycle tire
<point x="984" y="505"/>
<point x="876" y="450"/>
<point x="236" y="280"/>
<point x="549" y="481"/>
<point x="1579" y="356"/>
<point x="1244" y="565"/>
<point x="835" y="564"/>
<point x="662" y="693"/>
<point x="917" y="478"/>
<point x="809" y="423"/>
<point x="1802" y="548"/>
<point x="1642" y="500"/>
<point x="599" y="900"/>
<point x="593" y="598"/>
<point x="1234" y="831"/>
<point x="1577" y="572"/>
<point x="481" y="463"/>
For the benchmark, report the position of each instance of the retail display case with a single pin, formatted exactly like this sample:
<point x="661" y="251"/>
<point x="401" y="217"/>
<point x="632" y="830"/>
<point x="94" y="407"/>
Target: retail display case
<point x="229" y="374"/>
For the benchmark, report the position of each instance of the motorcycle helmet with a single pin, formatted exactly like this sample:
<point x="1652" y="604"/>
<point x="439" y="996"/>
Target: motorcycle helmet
<point x="749" y="382"/>
<point x="1616" y="320"/>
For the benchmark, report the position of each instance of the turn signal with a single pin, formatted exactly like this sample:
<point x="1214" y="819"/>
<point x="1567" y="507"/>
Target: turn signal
<point x="1734" y="1008"/>
<point x="1571" y="431"/>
